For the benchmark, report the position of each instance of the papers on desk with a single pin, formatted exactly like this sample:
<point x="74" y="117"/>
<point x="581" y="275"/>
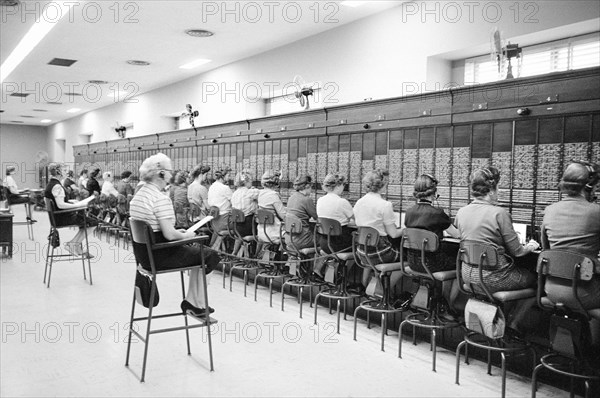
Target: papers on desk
<point x="399" y="219"/>
<point x="199" y="224"/>
<point x="521" y="230"/>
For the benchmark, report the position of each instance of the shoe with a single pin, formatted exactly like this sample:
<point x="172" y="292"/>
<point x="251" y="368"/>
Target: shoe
<point x="188" y="308"/>
<point x="317" y="278"/>
<point x="31" y="220"/>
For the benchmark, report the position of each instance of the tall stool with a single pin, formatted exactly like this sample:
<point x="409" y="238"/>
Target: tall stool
<point x="569" y="318"/>
<point x="29" y="221"/>
<point x="241" y="249"/>
<point x="218" y="242"/>
<point x="369" y="238"/>
<point x="54" y="227"/>
<point x="142" y="233"/>
<point x="429" y="298"/>
<point x="303" y="278"/>
<point x="269" y="272"/>
<point x="480" y="333"/>
<point x="340" y="293"/>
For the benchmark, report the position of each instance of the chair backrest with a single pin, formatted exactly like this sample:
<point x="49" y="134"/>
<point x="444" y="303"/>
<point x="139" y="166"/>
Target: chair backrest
<point x="367" y="236"/>
<point x="264" y="216"/>
<point x="329" y="226"/>
<point x="214" y="211"/>
<point x="139" y="231"/>
<point x="423" y="241"/>
<point x="50" y="208"/>
<point x="566" y="265"/>
<point x="237" y="216"/>
<point x="478" y="255"/>
<point x="293" y="224"/>
<point x="4" y="194"/>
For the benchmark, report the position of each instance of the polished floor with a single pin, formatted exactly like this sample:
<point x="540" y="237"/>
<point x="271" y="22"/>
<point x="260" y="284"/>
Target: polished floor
<point x="70" y="340"/>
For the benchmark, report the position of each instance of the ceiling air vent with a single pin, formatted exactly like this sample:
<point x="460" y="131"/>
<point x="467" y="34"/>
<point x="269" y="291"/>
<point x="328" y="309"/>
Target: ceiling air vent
<point x="97" y="82"/>
<point x="20" y="95"/>
<point x="199" y="33"/>
<point x="39" y="110"/>
<point x="62" y="62"/>
<point x="137" y="62"/>
<point x="73" y="94"/>
<point x="26" y="116"/>
<point x="54" y="103"/>
<point x="9" y="3"/>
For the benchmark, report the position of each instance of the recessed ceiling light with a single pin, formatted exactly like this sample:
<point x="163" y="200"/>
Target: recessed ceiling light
<point x="45" y="121"/>
<point x="73" y="94"/>
<point x="73" y="110"/>
<point x="97" y="82"/>
<point x="54" y="103"/>
<point x="39" y="110"/>
<point x="20" y="95"/>
<point x="199" y="33"/>
<point x="195" y="64"/>
<point x="31" y="39"/>
<point x="138" y="62"/>
<point x="1" y="110"/>
<point x="16" y="121"/>
<point x="26" y="116"/>
<point x="353" y="3"/>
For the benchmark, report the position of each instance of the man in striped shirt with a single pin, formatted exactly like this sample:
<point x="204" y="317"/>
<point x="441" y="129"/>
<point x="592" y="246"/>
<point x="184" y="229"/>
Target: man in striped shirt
<point x="152" y="205"/>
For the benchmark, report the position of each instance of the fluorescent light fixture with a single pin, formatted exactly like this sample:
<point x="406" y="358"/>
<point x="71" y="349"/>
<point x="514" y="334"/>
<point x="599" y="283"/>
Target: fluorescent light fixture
<point x="73" y="110"/>
<point x="45" y="120"/>
<point x="353" y="3"/>
<point x="32" y="38"/>
<point x="195" y="64"/>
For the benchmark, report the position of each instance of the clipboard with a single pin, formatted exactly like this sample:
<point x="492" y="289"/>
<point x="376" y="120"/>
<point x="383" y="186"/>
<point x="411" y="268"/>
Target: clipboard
<point x="199" y="224"/>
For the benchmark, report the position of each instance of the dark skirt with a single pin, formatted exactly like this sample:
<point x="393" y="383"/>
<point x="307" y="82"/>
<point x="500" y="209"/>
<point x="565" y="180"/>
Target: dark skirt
<point x="245" y="228"/>
<point x="175" y="257"/>
<point x="338" y="243"/>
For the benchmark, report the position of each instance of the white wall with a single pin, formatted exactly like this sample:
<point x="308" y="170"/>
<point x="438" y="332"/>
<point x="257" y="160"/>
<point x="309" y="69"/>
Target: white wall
<point x="386" y="55"/>
<point x="18" y="147"/>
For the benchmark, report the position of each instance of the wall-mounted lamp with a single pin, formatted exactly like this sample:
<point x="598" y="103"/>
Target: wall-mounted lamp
<point x="139" y="148"/>
<point x="171" y="145"/>
<point x="366" y="126"/>
<point x="214" y="141"/>
<point x="523" y="111"/>
<point x="267" y="136"/>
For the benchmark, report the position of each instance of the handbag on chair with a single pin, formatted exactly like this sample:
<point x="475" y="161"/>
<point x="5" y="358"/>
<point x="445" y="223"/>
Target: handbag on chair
<point x="143" y="286"/>
<point x="484" y="318"/>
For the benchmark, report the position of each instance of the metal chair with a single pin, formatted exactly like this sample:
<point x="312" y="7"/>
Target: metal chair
<point x="345" y="260"/>
<point x="142" y="234"/>
<point x="368" y="238"/>
<point x="481" y="334"/>
<point x="54" y="227"/>
<point x="428" y="299"/>
<point x="241" y="249"/>
<point x="569" y="318"/>
<point x="29" y="221"/>
<point x="269" y="272"/>
<point x="218" y="240"/>
<point x="303" y="272"/>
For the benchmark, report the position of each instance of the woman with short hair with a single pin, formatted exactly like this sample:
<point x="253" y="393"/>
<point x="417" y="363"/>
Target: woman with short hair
<point x="152" y="206"/>
<point x="219" y="195"/>
<point x="245" y="198"/>
<point x="333" y="206"/>
<point x="269" y="199"/>
<point x="198" y="189"/>
<point x="574" y="224"/>
<point x="92" y="184"/>
<point x="302" y="206"/>
<point x="484" y="221"/>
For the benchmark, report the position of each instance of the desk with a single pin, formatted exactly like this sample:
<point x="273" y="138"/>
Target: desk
<point x="6" y="235"/>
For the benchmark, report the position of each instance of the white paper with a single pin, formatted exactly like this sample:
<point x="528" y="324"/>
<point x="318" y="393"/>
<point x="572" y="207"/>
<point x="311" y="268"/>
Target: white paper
<point x="199" y="224"/>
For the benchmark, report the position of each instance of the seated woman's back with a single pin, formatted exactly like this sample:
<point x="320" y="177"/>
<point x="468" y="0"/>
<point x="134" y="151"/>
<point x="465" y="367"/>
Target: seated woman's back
<point x="270" y="200"/>
<point x="302" y="206"/>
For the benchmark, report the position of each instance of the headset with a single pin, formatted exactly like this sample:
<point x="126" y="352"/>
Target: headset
<point x="161" y="174"/>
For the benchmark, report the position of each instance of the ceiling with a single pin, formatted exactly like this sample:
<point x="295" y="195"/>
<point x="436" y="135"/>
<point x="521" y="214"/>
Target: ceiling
<point x="102" y="36"/>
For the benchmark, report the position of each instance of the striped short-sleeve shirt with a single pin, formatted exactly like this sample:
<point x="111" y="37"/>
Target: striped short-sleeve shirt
<point x="150" y="205"/>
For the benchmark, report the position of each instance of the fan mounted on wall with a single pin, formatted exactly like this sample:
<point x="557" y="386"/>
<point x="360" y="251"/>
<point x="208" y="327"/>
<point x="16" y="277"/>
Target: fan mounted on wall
<point x="503" y="52"/>
<point x="191" y="114"/>
<point x="120" y="130"/>
<point x="302" y="90"/>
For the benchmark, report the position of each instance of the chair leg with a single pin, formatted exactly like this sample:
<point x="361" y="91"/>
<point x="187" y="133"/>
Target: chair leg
<point x="534" y="379"/>
<point x="187" y="332"/>
<point x="355" y="320"/>
<point x="339" y="303"/>
<point x="271" y="292"/>
<point x="256" y="286"/>
<point x="130" y="328"/>
<point x="503" y="363"/>
<point x="383" y="330"/>
<point x="458" y="348"/>
<point x="50" y="267"/>
<point x="301" y="299"/>
<point x="87" y="251"/>
<point x="433" y="345"/>
<point x="48" y="258"/>
<point x="210" y="353"/>
<point x="152" y="294"/>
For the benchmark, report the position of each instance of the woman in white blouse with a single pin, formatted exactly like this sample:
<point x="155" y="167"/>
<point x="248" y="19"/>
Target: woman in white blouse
<point x="219" y="195"/>
<point x="269" y="199"/>
<point x="245" y="198"/>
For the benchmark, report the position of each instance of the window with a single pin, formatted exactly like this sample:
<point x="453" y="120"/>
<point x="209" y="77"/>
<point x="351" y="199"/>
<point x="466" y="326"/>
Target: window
<point x="567" y="54"/>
